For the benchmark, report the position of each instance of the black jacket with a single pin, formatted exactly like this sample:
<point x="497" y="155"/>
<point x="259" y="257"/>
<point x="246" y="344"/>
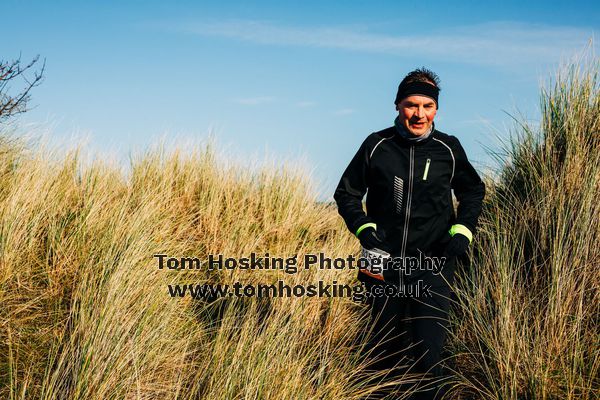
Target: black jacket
<point x="409" y="191"/>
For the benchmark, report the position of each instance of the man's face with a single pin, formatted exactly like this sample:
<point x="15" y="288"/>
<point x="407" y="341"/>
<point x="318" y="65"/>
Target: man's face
<point x="416" y="113"/>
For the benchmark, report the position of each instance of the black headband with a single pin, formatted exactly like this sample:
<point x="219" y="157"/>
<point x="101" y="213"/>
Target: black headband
<point x="418" y="88"/>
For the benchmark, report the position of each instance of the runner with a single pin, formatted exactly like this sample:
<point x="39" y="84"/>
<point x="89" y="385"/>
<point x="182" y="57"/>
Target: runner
<point x="410" y="170"/>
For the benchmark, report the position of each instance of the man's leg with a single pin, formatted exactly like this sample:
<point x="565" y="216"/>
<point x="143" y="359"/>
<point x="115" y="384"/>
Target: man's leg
<point x="429" y="320"/>
<point x="388" y="339"/>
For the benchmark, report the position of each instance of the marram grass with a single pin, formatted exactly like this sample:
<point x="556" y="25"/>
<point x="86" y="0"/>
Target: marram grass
<point x="527" y="324"/>
<point x="86" y="312"/>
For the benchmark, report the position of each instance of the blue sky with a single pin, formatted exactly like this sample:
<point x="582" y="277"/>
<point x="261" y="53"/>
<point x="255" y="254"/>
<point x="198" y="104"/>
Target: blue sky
<point x="303" y="80"/>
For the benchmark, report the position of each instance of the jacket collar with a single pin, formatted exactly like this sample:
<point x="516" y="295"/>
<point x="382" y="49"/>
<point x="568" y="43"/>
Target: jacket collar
<point x="406" y="138"/>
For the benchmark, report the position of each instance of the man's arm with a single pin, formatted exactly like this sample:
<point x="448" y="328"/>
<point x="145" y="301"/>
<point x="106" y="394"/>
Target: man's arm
<point x="469" y="190"/>
<point x="351" y="189"/>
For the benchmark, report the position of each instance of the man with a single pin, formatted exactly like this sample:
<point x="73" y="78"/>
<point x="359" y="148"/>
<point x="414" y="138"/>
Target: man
<point x="410" y="170"/>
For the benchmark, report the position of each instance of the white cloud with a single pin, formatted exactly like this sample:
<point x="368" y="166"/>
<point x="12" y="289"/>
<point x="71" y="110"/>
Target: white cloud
<point x="480" y="120"/>
<point x="494" y="43"/>
<point x="254" y="101"/>
<point x="344" y="111"/>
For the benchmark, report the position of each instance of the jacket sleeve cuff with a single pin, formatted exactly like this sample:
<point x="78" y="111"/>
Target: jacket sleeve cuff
<point x="463" y="230"/>
<point x="363" y="226"/>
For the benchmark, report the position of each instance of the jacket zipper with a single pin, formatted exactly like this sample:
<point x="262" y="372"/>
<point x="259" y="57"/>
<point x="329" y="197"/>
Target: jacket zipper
<point x="426" y="169"/>
<point x="407" y="215"/>
<point x="408" y="199"/>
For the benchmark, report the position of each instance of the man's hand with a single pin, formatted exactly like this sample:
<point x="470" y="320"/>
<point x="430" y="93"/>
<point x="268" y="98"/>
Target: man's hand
<point x="458" y="245"/>
<point x="371" y="238"/>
